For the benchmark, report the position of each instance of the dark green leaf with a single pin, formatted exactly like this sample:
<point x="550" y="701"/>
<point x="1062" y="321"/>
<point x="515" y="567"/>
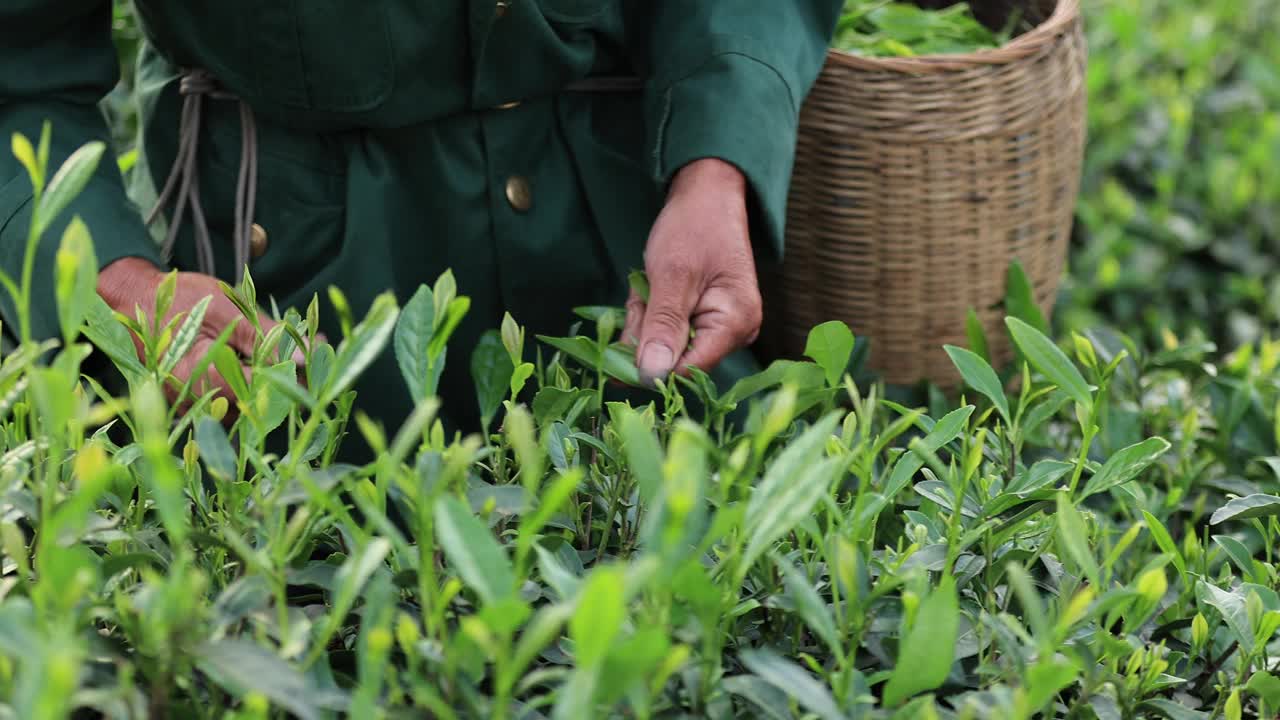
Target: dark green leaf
<point x="491" y="370"/>
<point x="1251" y="506"/>
<point x="792" y="680"/>
<point x="472" y="551"/>
<point x="1125" y="465"/>
<point x="241" y="666"/>
<point x="1020" y="299"/>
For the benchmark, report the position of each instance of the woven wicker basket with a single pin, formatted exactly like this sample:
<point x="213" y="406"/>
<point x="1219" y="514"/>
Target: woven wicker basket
<point x="918" y="181"/>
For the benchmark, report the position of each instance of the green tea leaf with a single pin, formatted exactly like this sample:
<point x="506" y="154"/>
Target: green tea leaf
<point x="1244" y="508"/>
<point x="1162" y="537"/>
<point x="491" y="371"/>
<point x="976" y="334"/>
<point x="1074" y="538"/>
<point x="1049" y="359"/>
<point x="413" y="334"/>
<point x="1231" y="605"/>
<point x="1266" y="686"/>
<point x="215" y="449"/>
<point x="768" y="699"/>
<point x="1039" y="475"/>
<point x="110" y="336"/>
<point x="925" y="656"/>
<point x="1173" y="710"/>
<point x="644" y="455"/>
<point x="810" y="606"/>
<point x="1046" y="678"/>
<point x="241" y="666"/>
<point x="67" y="183"/>
<point x="830" y="345"/>
<point x="598" y="615"/>
<point x="943" y="433"/>
<point x="185" y="338"/>
<point x="472" y="551"/>
<point x="77" y="278"/>
<point x="365" y="344"/>
<point x="26" y="155"/>
<point x="1125" y="465"/>
<point x="981" y="377"/>
<point x="792" y="680"/>
<point x="1020" y="299"/>
<point x="1238" y="553"/>
<point x="794" y="482"/>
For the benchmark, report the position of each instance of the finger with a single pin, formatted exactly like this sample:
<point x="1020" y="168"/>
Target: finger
<point x="710" y="346"/>
<point x="664" y="331"/>
<point x="733" y="324"/>
<point x="635" y="320"/>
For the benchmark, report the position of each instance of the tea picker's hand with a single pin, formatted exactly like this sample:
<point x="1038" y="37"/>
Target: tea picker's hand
<point x="702" y="275"/>
<point x="132" y="282"/>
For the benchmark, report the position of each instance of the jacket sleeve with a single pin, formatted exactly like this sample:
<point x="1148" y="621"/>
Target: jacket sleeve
<point x="726" y="80"/>
<point x="57" y="61"/>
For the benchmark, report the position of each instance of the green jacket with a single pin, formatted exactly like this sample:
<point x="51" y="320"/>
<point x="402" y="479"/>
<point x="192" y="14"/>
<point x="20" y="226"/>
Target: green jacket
<point x="389" y="135"/>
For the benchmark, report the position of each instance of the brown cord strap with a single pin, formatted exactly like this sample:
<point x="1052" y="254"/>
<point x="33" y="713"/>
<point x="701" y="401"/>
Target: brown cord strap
<point x="184" y="180"/>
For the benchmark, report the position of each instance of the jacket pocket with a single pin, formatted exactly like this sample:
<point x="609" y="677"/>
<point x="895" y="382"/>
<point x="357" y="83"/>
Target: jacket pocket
<point x="325" y="55"/>
<point x="573" y="11"/>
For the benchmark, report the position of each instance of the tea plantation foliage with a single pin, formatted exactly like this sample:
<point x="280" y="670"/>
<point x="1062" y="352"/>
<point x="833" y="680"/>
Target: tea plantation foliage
<point x="1096" y="542"/>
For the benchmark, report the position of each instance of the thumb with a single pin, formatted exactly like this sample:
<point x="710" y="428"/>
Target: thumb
<point x="664" y="334"/>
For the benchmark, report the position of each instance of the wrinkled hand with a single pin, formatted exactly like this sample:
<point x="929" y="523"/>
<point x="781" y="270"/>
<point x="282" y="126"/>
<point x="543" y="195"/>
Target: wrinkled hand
<point x="131" y="282"/>
<point x="701" y="274"/>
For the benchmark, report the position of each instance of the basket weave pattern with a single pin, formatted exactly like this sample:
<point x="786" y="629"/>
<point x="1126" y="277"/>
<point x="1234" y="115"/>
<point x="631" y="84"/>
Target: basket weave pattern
<point x="917" y="182"/>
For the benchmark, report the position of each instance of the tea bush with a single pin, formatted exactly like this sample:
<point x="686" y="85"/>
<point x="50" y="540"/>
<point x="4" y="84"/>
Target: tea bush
<point x="1097" y="542"/>
<point x="837" y="556"/>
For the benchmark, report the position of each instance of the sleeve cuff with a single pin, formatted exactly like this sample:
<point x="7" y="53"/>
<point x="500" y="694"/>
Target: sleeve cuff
<point x="723" y="109"/>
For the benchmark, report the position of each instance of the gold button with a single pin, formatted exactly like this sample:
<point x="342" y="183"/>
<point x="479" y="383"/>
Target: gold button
<point x="519" y="194"/>
<point x="509" y="106"/>
<point x="257" y="241"/>
<point x="500" y="10"/>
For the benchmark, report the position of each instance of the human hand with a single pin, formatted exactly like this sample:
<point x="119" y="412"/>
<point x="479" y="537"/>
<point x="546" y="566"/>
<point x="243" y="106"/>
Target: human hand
<point x="129" y="283"/>
<point x="702" y="274"/>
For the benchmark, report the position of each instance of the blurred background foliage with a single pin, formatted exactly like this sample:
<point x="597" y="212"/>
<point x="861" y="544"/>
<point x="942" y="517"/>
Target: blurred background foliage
<point x="1179" y="218"/>
<point x="1179" y="215"/>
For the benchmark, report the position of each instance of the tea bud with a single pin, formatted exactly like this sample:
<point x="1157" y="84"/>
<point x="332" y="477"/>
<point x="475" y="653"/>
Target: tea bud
<point x="1152" y="585"/>
<point x="407" y="634"/>
<point x="1134" y="664"/>
<point x="218" y="408"/>
<point x="379" y="641"/>
<point x="1199" y="631"/>
<point x="1232" y="709"/>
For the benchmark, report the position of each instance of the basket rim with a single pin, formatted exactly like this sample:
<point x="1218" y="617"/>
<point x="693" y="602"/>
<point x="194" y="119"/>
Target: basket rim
<point x="1065" y="13"/>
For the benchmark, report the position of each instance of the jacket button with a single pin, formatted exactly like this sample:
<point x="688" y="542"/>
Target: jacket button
<point x="500" y="10"/>
<point x="519" y="193"/>
<point x="257" y="241"/>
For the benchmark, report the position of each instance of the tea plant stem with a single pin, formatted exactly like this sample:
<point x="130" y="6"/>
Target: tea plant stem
<point x="1082" y="457"/>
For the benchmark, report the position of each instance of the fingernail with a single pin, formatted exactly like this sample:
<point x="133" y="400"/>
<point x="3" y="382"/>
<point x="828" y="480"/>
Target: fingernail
<point x="655" y="362"/>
